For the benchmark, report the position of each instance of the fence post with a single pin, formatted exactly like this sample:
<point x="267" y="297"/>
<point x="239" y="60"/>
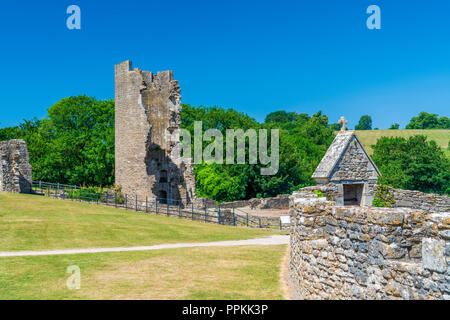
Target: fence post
<point x="167" y="211"/>
<point x="259" y="222"/>
<point x="146" y="204"/>
<point x="205" y="215"/>
<point x="126" y="201"/>
<point x="97" y="195"/>
<point x="40" y="185"/>
<point x="106" y="198"/>
<point x="136" y="203"/>
<point x="179" y="209"/>
<point x="234" y="218"/>
<point x="218" y="214"/>
<point x="280" y="224"/>
<point x="58" y="190"/>
<point x="247" y="219"/>
<point x="192" y="206"/>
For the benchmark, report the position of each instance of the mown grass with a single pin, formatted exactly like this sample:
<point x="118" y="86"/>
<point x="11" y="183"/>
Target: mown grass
<point x="370" y="137"/>
<point x="31" y="222"/>
<point x="250" y="272"/>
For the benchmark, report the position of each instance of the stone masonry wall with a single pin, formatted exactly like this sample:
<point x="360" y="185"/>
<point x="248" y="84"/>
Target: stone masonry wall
<point x="418" y="200"/>
<point x="15" y="169"/>
<point x="354" y="165"/>
<point x="367" y="253"/>
<point x="281" y="201"/>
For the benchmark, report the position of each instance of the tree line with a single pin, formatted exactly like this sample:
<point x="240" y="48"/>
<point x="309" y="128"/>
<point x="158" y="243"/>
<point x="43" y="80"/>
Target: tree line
<point x="74" y="144"/>
<point x="424" y="120"/>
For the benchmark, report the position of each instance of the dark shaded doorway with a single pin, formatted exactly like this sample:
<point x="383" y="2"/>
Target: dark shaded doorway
<point x="162" y="196"/>
<point x="353" y="194"/>
<point x="162" y="176"/>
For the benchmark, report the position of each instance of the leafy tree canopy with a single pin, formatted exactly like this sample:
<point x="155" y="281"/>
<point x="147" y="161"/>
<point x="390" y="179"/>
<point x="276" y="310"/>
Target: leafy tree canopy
<point x="365" y="123"/>
<point x="428" y="121"/>
<point x="413" y="164"/>
<point x="394" y="126"/>
<point x="74" y="144"/>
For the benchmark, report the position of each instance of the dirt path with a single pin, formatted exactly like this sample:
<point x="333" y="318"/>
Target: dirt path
<point x="272" y="240"/>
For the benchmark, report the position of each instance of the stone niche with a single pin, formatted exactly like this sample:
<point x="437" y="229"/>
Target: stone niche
<point x="347" y="165"/>
<point x="147" y="137"/>
<point x="15" y="169"/>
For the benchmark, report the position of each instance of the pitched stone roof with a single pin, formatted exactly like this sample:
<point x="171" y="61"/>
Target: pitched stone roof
<point x="335" y="152"/>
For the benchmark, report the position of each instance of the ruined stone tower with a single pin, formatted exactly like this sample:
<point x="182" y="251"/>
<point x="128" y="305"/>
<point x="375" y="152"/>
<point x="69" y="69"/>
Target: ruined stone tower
<point x="147" y="138"/>
<point x="15" y="169"/>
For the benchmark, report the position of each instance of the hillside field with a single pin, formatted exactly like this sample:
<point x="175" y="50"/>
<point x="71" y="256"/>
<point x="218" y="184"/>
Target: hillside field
<point x="370" y="137"/>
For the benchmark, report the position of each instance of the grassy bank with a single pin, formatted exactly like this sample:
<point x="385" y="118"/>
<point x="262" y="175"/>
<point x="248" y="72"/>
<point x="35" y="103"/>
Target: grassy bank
<point x="30" y="222"/>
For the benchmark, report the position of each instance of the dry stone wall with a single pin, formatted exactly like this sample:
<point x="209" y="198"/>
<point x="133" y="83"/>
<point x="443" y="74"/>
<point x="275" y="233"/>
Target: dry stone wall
<point x="15" y="169"/>
<point x="355" y="252"/>
<point x="281" y="201"/>
<point x="418" y="200"/>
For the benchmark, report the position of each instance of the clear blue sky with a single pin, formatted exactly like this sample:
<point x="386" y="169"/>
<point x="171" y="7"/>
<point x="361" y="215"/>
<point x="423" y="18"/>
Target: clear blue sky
<point x="254" y="56"/>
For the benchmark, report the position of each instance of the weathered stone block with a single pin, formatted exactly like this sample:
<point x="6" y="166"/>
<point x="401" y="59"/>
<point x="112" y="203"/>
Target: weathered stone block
<point x="433" y="255"/>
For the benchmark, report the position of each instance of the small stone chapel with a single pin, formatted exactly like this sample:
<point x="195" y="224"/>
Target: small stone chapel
<point x="349" y="167"/>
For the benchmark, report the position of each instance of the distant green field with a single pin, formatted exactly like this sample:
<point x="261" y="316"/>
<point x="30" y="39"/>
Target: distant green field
<point x="370" y="137"/>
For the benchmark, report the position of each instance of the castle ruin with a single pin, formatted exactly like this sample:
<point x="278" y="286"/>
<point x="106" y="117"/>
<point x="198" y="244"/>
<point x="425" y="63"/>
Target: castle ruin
<point x="15" y="169"/>
<point x="148" y="162"/>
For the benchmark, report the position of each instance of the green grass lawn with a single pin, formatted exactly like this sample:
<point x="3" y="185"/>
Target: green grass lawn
<point x="31" y="222"/>
<point x="370" y="137"/>
<point x="247" y="272"/>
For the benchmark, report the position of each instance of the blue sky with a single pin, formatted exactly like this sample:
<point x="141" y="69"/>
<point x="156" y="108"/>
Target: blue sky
<point x="254" y="56"/>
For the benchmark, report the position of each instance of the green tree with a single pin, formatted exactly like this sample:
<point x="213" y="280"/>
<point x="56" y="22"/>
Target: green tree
<point x="9" y="133"/>
<point x="412" y="164"/>
<point x="280" y="117"/>
<point x="303" y="142"/>
<point x="215" y="183"/>
<point x="334" y="126"/>
<point x="394" y="126"/>
<point x="427" y="120"/>
<point x="73" y="144"/>
<point x="81" y="134"/>
<point x="365" y="123"/>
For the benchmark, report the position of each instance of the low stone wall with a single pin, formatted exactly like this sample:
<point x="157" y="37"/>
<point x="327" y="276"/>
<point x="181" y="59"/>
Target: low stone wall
<point x="281" y="201"/>
<point x="15" y="169"/>
<point x="204" y="203"/>
<point x="235" y="204"/>
<point x="418" y="200"/>
<point x="367" y="253"/>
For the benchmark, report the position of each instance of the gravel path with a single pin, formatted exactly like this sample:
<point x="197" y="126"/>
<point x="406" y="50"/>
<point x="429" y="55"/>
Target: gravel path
<point x="272" y="240"/>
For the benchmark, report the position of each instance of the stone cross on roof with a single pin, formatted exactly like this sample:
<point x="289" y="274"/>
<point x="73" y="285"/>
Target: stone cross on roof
<point x="343" y="122"/>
